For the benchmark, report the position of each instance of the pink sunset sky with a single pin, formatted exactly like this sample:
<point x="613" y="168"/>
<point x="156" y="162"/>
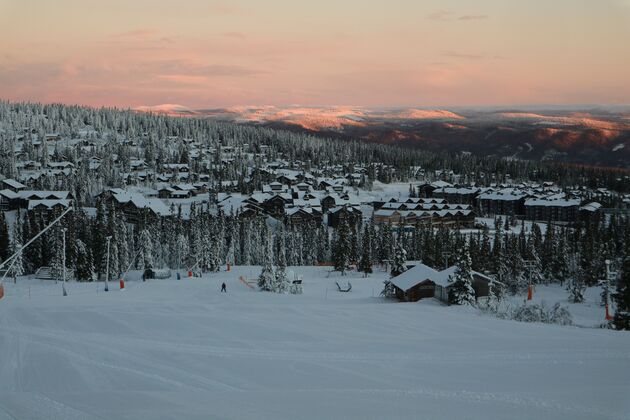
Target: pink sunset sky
<point x="369" y="53"/>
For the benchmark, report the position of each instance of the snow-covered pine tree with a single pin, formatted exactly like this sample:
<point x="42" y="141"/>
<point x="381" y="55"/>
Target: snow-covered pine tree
<point x="322" y="244"/>
<point x="123" y="245"/>
<point x="576" y="289"/>
<point x="365" y="264"/>
<point x="341" y="250"/>
<point x="214" y="260"/>
<point x="389" y="291"/>
<point x="516" y="279"/>
<point x="246" y="245"/>
<point x="385" y="243"/>
<point x="4" y="238"/>
<point x="559" y="266"/>
<point x="114" y="264"/>
<point x="266" y="279"/>
<point x="229" y="257"/>
<point x="310" y="245"/>
<point x="84" y="266"/>
<point x="622" y="297"/>
<point x="399" y="263"/>
<point x="99" y="243"/>
<point x="182" y="251"/>
<point x="56" y="241"/>
<point x="145" y="249"/>
<point x="354" y="244"/>
<point x="534" y="269"/>
<point x="18" y="264"/>
<point x="485" y="251"/>
<point x="281" y="282"/>
<point x="461" y="291"/>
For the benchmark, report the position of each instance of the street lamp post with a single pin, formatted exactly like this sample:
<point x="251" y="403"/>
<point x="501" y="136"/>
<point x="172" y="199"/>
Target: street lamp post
<point x="109" y="238"/>
<point x="63" y="259"/>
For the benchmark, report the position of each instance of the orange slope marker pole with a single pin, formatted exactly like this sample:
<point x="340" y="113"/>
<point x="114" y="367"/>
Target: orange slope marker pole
<point x="608" y="317"/>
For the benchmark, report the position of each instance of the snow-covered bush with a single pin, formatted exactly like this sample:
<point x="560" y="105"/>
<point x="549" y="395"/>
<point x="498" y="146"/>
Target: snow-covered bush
<point x="530" y="313"/>
<point x="560" y="315"/>
<point x="295" y="289"/>
<point x="576" y="289"/>
<point x="540" y="313"/>
<point x="389" y="291"/>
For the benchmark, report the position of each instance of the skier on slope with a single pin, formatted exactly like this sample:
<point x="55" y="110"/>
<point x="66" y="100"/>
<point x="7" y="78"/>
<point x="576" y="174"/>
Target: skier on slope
<point x="223" y="288"/>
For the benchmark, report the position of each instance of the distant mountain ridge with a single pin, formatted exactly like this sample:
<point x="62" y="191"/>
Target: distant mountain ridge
<point x="598" y="136"/>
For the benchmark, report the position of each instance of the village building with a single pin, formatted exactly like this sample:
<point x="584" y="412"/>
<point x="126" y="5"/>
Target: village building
<point x="508" y="201"/>
<point x="421" y="282"/>
<point x="13" y="185"/>
<point x="463" y="195"/>
<point x="555" y="208"/>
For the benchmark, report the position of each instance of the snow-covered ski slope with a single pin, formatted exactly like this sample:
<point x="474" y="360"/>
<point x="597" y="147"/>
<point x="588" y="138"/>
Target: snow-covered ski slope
<point x="170" y="349"/>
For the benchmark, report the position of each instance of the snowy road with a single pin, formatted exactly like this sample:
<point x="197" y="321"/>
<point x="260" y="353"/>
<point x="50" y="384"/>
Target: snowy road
<point x="169" y="349"/>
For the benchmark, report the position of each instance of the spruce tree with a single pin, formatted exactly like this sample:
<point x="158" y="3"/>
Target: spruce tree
<point x="461" y="290"/>
<point x="99" y="243"/>
<point x="399" y="263"/>
<point x="146" y="249"/>
<point x="365" y="264"/>
<point x="354" y="244"/>
<point x="341" y="251"/>
<point x="57" y="254"/>
<point x="622" y="297"/>
<point x="266" y="279"/>
<point x="214" y="260"/>
<point x="84" y="266"/>
<point x="4" y="238"/>
<point x="576" y="289"/>
<point x="18" y="264"/>
<point x="389" y="291"/>
<point x="281" y="282"/>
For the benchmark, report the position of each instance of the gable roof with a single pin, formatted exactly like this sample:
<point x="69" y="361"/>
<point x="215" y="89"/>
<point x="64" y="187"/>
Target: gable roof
<point x="13" y="183"/>
<point x="421" y="272"/>
<point x="413" y="276"/>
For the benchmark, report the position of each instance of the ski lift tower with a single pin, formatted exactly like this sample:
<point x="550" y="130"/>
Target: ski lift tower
<point x="13" y="258"/>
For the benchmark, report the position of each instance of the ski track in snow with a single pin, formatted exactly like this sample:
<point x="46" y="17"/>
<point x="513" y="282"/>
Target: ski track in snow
<point x="169" y="349"/>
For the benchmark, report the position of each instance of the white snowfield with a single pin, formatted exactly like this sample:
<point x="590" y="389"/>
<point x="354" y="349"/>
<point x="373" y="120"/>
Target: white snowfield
<point x="169" y="349"/>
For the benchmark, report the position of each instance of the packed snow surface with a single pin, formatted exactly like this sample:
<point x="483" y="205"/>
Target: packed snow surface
<point x="169" y="349"/>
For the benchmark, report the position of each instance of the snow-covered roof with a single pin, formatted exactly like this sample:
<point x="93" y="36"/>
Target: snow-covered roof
<point x="506" y="194"/>
<point x="552" y="202"/>
<point x="441" y="184"/>
<point x="31" y="194"/>
<point x="456" y="190"/>
<point x="415" y="275"/>
<point x="8" y="194"/>
<point x="13" y="183"/>
<point x="594" y="206"/>
<point x="421" y="272"/>
<point x="155" y="205"/>
<point x="47" y="203"/>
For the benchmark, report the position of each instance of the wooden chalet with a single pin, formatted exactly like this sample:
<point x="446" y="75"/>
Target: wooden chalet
<point x="422" y="281"/>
